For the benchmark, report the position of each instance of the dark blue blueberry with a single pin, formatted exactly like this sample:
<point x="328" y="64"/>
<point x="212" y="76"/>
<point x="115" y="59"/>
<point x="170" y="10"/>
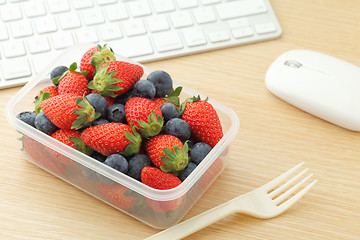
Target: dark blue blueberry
<point x="178" y="128"/>
<point x="98" y="102"/>
<point x="58" y="71"/>
<point x="169" y="111"/>
<point x="99" y="121"/>
<point x="183" y="174"/>
<point x="118" y="162"/>
<point x="199" y="151"/>
<point x="116" y="113"/>
<point x="123" y="98"/>
<point x="43" y="124"/>
<point x="27" y="117"/>
<point x="136" y="164"/>
<point x="162" y="81"/>
<point x="144" y="89"/>
<point x="98" y="156"/>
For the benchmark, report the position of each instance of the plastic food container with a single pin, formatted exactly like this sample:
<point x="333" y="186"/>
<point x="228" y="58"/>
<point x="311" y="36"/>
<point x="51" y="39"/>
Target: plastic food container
<point x="157" y="208"/>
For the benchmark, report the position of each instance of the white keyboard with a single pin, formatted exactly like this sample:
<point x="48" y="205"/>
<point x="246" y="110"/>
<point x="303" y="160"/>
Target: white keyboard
<point x="33" y="32"/>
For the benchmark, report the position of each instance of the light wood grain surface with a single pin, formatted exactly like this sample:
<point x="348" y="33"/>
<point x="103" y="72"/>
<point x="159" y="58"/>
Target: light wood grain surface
<point x="273" y="137"/>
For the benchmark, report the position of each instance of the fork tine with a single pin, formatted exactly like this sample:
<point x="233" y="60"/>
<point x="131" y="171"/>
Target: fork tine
<point x="286" y="205"/>
<point x="270" y="185"/>
<point x="287" y="184"/>
<point x="291" y="190"/>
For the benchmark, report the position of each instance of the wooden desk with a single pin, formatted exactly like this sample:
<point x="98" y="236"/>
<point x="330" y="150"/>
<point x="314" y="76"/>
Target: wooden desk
<point x="273" y="137"/>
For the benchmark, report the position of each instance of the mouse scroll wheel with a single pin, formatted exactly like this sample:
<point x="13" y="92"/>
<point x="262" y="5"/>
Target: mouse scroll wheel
<point x="293" y="63"/>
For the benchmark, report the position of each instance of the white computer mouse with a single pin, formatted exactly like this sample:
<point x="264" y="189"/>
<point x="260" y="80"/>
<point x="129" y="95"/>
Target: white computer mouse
<point x="322" y="85"/>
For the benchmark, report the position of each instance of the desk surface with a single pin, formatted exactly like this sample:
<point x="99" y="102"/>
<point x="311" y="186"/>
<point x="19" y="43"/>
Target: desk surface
<point x="273" y="137"/>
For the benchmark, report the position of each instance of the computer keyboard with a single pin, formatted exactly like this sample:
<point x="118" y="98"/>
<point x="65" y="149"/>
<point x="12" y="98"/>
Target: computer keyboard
<point x="33" y="32"/>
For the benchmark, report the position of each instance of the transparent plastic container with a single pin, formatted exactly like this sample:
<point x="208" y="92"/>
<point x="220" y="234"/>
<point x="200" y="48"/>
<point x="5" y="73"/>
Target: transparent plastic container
<point x="157" y="208"/>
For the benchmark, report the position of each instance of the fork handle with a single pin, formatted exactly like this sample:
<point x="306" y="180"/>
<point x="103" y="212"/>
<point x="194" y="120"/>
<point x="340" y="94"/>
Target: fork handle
<point x="196" y="223"/>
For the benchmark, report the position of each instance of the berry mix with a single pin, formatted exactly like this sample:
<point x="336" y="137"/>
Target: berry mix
<point x="136" y="126"/>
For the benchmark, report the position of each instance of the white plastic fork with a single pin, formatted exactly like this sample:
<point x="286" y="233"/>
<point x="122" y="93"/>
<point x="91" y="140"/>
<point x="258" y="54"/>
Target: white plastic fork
<point x="267" y="201"/>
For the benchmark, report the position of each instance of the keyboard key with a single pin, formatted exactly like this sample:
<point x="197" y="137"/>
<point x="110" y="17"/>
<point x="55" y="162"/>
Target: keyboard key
<point x="242" y="32"/>
<point x="132" y="47"/>
<point x="62" y="40"/>
<point x="186" y="3"/>
<point x="194" y="36"/>
<point x="139" y="8"/>
<point x="15" y="68"/>
<point x="134" y="27"/>
<point x="105" y="2"/>
<point x="167" y="41"/>
<point x="20" y="29"/>
<point x="157" y="23"/>
<point x="204" y="15"/>
<point x="87" y="35"/>
<point x="38" y="60"/>
<point x="3" y="32"/>
<point x="81" y="4"/>
<point x="162" y="6"/>
<point x="116" y="12"/>
<point x="34" y="8"/>
<point x="219" y="36"/>
<point x="38" y="44"/>
<point x="181" y="19"/>
<point x="10" y="13"/>
<point x="69" y="20"/>
<point x="235" y="9"/>
<point x="13" y="48"/>
<point x="238" y="23"/>
<point x="45" y="24"/>
<point x="208" y="2"/>
<point x="263" y="28"/>
<point x="110" y="31"/>
<point x="58" y="6"/>
<point x="93" y="16"/>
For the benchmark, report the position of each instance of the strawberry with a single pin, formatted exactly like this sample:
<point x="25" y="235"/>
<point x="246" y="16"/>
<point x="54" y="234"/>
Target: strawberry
<point x="116" y="77"/>
<point x="167" y="152"/>
<point x="53" y="90"/>
<point x="69" y="111"/>
<point x="112" y="138"/>
<point x="72" y="82"/>
<point x="145" y="115"/>
<point x="203" y="120"/>
<point x="95" y="56"/>
<point x="116" y="195"/>
<point x="155" y="178"/>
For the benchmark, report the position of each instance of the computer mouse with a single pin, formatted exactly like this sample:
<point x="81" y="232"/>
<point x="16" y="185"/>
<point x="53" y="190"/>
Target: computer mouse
<point x="319" y="84"/>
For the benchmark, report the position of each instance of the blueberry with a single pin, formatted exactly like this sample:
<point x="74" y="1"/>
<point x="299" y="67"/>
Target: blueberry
<point x="199" y="151"/>
<point x="123" y="98"/>
<point x="169" y="111"/>
<point x="144" y="89"/>
<point x="118" y="162"/>
<point x="178" y="128"/>
<point x="183" y="174"/>
<point x="98" y="102"/>
<point x="43" y="124"/>
<point x="98" y="156"/>
<point x="99" y="121"/>
<point x="58" y="71"/>
<point x="162" y="81"/>
<point x="136" y="164"/>
<point x="27" y="117"/>
<point x="116" y="113"/>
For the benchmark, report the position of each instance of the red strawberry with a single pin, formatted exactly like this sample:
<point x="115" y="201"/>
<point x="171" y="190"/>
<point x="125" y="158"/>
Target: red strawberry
<point x="53" y="90"/>
<point x="203" y="120"/>
<point x="159" y="101"/>
<point x="144" y="114"/>
<point x="167" y="152"/>
<point x="47" y="92"/>
<point x="72" y="82"/>
<point x="95" y="56"/>
<point x="112" y="138"/>
<point x="116" y="77"/>
<point x="63" y="135"/>
<point x="69" y="111"/>
<point x="115" y="194"/>
<point x="155" y="178"/>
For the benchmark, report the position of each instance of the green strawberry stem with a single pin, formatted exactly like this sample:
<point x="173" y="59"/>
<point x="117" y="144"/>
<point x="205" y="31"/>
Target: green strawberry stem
<point x="175" y="160"/>
<point x="104" y="55"/>
<point x="134" y="146"/>
<point x="152" y="127"/>
<point x="86" y="114"/>
<point x="72" y="68"/>
<point x="80" y="146"/>
<point x="173" y="96"/>
<point x="104" y="82"/>
<point x="39" y="99"/>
